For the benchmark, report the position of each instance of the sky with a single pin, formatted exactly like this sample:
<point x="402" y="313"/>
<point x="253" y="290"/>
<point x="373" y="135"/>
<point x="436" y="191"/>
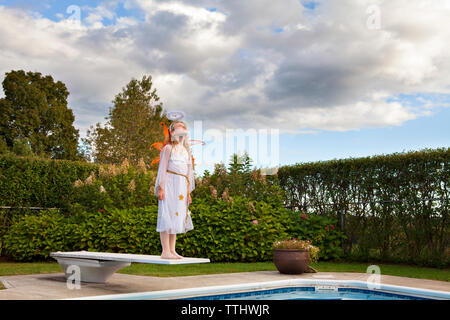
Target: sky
<point x="332" y="79"/>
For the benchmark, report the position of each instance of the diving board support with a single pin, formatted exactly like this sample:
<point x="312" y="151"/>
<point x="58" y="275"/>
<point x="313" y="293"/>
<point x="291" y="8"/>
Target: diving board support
<point x="98" y="267"/>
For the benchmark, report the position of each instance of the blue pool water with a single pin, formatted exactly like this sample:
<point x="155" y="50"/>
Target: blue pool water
<point x="310" y="293"/>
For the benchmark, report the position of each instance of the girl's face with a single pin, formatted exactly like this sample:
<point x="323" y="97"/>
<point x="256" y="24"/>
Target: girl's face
<point x="179" y="131"/>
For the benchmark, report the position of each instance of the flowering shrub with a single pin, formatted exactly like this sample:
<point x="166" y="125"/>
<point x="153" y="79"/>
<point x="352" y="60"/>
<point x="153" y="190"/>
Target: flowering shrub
<point x="122" y="187"/>
<point x="303" y="245"/>
<point x="238" y="179"/>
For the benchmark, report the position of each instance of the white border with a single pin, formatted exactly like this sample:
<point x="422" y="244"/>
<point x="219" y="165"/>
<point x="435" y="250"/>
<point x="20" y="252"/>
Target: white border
<point x="212" y="290"/>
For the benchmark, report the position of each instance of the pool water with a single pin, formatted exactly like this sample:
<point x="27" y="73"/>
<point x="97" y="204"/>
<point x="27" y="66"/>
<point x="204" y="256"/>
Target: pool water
<point x="310" y="293"/>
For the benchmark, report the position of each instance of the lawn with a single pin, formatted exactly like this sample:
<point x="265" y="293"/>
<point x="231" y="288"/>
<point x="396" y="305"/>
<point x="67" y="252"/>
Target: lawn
<point x="16" y="268"/>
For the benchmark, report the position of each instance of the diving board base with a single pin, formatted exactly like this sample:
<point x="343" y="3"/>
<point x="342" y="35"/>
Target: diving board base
<point x="98" y="267"/>
<point x="91" y="270"/>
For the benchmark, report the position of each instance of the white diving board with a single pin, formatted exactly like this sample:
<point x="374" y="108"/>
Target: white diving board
<point x="100" y="266"/>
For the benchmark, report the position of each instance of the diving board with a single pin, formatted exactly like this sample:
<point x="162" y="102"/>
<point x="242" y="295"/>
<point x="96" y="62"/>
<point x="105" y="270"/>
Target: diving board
<point x="100" y="266"/>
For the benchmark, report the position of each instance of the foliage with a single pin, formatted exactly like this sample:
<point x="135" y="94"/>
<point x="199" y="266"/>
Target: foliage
<point x="239" y="179"/>
<point x="320" y="230"/>
<point x="36" y="236"/>
<point x="37" y="182"/>
<point x="394" y="208"/>
<point x="35" y="107"/>
<point x="132" y="126"/>
<point x="121" y="187"/>
<point x="237" y="230"/>
<point x="22" y="147"/>
<point x="223" y="231"/>
<point x="3" y="146"/>
<point x="303" y="245"/>
<point x="237" y="212"/>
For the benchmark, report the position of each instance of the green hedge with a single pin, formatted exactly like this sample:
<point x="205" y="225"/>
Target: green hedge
<point x="321" y="230"/>
<point x="223" y="231"/>
<point x="38" y="182"/>
<point x="71" y="186"/>
<point x="378" y="203"/>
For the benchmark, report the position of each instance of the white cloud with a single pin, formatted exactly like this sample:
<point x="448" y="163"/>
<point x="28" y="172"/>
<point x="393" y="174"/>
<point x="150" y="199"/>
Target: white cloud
<point x="232" y="66"/>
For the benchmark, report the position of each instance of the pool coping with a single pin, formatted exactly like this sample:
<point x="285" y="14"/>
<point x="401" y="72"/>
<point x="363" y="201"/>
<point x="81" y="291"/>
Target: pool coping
<point x="212" y="290"/>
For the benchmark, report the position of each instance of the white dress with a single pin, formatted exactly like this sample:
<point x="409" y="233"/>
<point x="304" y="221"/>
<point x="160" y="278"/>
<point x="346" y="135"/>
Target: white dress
<point x="172" y="209"/>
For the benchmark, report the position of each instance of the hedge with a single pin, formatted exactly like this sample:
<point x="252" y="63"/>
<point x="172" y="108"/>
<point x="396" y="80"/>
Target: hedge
<point x="38" y="182"/>
<point x="222" y="232"/>
<point x="364" y="209"/>
<point x="226" y="231"/>
<point x="392" y="208"/>
<point x="70" y="186"/>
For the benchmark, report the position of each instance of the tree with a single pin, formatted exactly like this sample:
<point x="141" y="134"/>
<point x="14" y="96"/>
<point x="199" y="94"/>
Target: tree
<point x="239" y="164"/>
<point x="132" y="126"/>
<point x="22" y="147"/>
<point x="35" y="107"/>
<point x="3" y="146"/>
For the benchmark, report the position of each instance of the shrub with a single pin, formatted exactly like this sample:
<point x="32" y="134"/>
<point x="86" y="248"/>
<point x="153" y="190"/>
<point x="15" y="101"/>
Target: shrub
<point x="239" y="180"/>
<point x="303" y="245"/>
<point x="223" y="231"/>
<point x="120" y="187"/>
<point x="236" y="230"/>
<point x="37" y="182"/>
<point x="320" y="230"/>
<point x="34" y="237"/>
<point x="394" y="208"/>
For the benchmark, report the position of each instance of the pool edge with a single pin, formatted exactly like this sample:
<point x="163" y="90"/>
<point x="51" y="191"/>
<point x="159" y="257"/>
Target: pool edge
<point x="210" y="290"/>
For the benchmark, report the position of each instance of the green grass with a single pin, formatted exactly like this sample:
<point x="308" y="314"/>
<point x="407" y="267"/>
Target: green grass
<point x="386" y="269"/>
<point x="2" y="286"/>
<point x="16" y="268"/>
<point x="195" y="269"/>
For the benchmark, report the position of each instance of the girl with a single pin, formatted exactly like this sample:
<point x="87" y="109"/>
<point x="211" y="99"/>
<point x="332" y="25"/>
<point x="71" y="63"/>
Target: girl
<point x="174" y="183"/>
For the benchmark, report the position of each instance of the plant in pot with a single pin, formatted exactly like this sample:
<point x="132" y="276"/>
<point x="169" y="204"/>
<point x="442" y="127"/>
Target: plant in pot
<point x="292" y="256"/>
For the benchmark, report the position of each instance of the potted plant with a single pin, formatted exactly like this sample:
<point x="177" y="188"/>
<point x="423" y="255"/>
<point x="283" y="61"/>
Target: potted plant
<point x="292" y="256"/>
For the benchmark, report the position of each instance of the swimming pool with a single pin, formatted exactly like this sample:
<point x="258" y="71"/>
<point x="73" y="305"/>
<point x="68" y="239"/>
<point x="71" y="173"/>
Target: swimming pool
<point x="310" y="293"/>
<point x="287" y="290"/>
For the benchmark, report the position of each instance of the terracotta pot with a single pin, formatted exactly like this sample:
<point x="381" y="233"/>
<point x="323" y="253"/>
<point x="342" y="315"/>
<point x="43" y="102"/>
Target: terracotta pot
<point x="291" y="261"/>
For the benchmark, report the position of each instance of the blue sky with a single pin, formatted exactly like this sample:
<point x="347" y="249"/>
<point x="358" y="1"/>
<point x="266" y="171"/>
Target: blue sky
<point x="53" y="9"/>
<point x="427" y="132"/>
<point x="334" y="87"/>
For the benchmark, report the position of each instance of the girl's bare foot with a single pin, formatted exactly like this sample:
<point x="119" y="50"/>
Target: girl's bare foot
<point x="176" y="255"/>
<point x="168" y="255"/>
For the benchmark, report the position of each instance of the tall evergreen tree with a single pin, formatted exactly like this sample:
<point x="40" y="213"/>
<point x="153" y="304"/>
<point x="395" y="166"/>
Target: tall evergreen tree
<point x="35" y="107"/>
<point x="132" y="126"/>
<point x="240" y="163"/>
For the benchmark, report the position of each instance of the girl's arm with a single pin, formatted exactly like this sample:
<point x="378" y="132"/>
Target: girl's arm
<point x="162" y="169"/>
<point x="191" y="176"/>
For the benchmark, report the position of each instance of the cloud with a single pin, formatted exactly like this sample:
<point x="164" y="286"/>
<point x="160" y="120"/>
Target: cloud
<point x="245" y="63"/>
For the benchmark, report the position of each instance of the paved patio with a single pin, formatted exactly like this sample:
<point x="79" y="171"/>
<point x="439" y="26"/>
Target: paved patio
<point x="53" y="286"/>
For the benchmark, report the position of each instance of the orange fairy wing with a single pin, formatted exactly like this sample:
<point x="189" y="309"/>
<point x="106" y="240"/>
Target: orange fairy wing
<point x="166" y="133"/>
<point x="156" y="160"/>
<point x="157" y="145"/>
<point x="160" y="145"/>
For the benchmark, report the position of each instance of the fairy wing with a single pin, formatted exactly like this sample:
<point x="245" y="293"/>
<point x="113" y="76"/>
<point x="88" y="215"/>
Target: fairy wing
<point x="157" y="145"/>
<point x="160" y="145"/>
